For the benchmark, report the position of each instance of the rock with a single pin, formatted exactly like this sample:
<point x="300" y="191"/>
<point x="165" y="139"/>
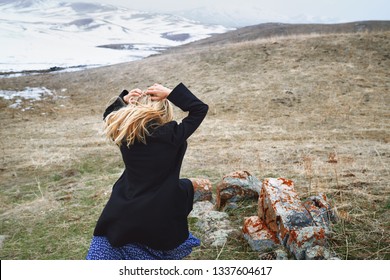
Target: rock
<point x="318" y="253"/>
<point x="213" y="220"/>
<point x="321" y="211"/>
<point x="259" y="237"/>
<point x="281" y="254"/>
<point x="237" y="186"/>
<point x="285" y="227"/>
<point x="200" y="208"/>
<point x="202" y="189"/>
<point x="300" y="240"/>
<point x="214" y="225"/>
<point x="298" y="226"/>
<point x="219" y="237"/>
<point x="280" y="208"/>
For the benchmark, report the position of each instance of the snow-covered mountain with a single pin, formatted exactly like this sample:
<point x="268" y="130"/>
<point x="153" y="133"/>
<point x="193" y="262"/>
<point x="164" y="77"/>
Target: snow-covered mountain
<point x="232" y="15"/>
<point x="42" y="34"/>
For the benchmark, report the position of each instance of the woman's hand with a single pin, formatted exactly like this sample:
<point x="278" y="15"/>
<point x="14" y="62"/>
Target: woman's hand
<point x="134" y="93"/>
<point x="158" y="92"/>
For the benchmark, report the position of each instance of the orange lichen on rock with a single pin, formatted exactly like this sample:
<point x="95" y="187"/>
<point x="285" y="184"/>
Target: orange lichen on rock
<point x="286" y="182"/>
<point x="259" y="237"/>
<point x="202" y="189"/>
<point x="280" y="207"/>
<point x="300" y="240"/>
<point x="282" y="220"/>
<point x="237" y="186"/>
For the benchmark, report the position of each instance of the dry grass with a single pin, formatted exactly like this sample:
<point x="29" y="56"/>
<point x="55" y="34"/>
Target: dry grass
<point x="313" y="109"/>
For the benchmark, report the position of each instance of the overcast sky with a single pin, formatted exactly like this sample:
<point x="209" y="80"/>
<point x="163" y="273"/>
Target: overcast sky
<point x="342" y="10"/>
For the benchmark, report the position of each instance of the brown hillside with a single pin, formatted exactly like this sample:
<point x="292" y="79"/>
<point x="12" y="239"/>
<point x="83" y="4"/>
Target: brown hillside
<point x="273" y="29"/>
<point x="311" y="108"/>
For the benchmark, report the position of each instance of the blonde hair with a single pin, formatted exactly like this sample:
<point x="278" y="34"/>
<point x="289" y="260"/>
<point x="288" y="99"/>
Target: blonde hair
<point x="135" y="121"/>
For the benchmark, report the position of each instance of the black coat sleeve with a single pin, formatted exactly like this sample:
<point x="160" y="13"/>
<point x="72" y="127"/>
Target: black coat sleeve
<point x="183" y="98"/>
<point x="116" y="105"/>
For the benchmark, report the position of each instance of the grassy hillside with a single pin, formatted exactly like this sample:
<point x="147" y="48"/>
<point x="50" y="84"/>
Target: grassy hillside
<point x="311" y="108"/>
<point x="275" y="29"/>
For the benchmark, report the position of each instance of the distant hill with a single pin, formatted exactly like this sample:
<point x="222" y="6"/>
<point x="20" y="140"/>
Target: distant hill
<point x="269" y="30"/>
<point x="73" y="35"/>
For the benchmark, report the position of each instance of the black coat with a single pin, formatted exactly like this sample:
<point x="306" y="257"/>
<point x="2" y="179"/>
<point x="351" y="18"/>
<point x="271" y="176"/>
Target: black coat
<point x="149" y="204"/>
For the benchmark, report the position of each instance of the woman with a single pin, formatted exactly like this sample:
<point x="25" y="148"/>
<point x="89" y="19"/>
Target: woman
<point x="146" y="215"/>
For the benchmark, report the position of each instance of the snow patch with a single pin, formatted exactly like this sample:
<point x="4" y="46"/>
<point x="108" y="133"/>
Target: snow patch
<point x="28" y="96"/>
<point x="31" y="93"/>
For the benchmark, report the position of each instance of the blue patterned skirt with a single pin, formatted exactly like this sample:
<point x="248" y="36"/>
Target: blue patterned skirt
<point x="101" y="249"/>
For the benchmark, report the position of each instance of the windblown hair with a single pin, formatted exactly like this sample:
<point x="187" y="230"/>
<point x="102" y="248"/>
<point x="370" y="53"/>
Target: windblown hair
<point x="137" y="120"/>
